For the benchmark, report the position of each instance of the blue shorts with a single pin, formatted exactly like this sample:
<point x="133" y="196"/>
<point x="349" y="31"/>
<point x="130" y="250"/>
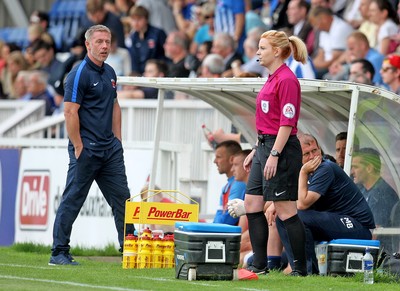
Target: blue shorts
<point x="284" y="186"/>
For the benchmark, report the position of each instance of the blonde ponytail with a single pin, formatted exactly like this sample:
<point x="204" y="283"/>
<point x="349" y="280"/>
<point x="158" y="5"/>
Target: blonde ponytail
<point x="299" y="49"/>
<point x="292" y="44"/>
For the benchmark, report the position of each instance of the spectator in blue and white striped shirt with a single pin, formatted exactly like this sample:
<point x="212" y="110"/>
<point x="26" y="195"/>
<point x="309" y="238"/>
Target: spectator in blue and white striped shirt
<point x="230" y="18"/>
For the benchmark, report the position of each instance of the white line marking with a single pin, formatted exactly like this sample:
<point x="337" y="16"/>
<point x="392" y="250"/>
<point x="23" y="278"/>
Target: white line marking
<point x="68" y="283"/>
<point x="196" y="283"/>
<point x="63" y="267"/>
<point x="175" y="280"/>
<point x="27" y="266"/>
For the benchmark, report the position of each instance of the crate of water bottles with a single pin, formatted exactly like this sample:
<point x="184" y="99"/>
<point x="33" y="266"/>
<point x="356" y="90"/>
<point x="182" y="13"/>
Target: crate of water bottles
<point x="148" y="249"/>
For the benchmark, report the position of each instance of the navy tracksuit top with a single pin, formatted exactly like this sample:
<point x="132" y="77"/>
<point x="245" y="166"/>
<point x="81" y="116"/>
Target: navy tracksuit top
<point x="95" y="89"/>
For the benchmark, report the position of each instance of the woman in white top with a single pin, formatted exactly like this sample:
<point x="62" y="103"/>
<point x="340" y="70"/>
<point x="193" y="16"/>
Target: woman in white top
<point x="385" y="17"/>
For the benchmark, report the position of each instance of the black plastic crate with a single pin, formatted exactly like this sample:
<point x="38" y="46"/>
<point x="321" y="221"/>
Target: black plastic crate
<point x="345" y="255"/>
<point x="206" y="251"/>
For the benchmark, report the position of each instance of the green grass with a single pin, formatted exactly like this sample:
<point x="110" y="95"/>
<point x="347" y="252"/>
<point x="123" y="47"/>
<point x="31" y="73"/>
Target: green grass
<point x="24" y="267"/>
<point x="109" y="250"/>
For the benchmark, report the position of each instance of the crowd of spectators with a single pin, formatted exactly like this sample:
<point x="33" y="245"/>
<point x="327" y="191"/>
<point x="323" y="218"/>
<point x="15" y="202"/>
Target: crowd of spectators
<point x="172" y="38"/>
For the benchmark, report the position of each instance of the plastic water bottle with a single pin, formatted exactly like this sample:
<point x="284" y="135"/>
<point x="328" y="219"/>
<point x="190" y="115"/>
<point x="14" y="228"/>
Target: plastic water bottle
<point x="209" y="136"/>
<point x="168" y="257"/>
<point x="368" y="264"/>
<point x="146" y="233"/>
<point x="144" y="258"/>
<point x="130" y="252"/>
<point x="157" y="255"/>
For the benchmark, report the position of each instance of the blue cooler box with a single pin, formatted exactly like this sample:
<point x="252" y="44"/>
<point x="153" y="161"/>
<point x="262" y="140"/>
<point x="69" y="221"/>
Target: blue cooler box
<point x="206" y="251"/>
<point x="345" y="255"/>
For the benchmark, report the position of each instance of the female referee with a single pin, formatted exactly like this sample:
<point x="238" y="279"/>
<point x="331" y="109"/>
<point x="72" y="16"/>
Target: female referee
<point x="276" y="158"/>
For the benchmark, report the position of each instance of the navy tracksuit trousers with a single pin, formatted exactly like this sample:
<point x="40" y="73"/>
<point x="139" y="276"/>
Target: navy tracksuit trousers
<point x="323" y="226"/>
<point x="107" y="168"/>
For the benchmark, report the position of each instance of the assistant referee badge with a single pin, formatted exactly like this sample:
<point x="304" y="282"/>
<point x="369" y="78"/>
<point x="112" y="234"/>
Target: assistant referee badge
<point x="265" y="106"/>
<point x="113" y="83"/>
<point x="288" y="110"/>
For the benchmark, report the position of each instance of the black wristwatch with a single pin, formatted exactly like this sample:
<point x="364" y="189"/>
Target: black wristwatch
<point x="275" y="153"/>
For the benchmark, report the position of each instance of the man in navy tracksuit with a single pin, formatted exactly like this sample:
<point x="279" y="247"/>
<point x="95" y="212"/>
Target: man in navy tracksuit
<point x="330" y="205"/>
<point x="93" y="121"/>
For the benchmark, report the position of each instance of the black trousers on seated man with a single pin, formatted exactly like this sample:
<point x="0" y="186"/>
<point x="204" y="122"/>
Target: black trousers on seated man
<point x="323" y="226"/>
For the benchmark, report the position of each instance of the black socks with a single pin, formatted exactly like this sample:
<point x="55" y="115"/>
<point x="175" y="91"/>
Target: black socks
<point x="297" y="237"/>
<point x="258" y="231"/>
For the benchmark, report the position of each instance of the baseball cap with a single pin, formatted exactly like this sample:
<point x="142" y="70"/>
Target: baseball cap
<point x="394" y="60"/>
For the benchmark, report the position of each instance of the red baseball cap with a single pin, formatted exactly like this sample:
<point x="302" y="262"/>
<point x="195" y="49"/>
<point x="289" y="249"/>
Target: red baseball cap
<point x="394" y="60"/>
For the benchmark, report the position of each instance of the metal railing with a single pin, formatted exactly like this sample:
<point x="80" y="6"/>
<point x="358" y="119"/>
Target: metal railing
<point x="185" y="157"/>
<point x="15" y="115"/>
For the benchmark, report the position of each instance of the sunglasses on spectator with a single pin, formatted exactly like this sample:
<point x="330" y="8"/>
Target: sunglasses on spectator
<point x="388" y="68"/>
<point x="208" y="16"/>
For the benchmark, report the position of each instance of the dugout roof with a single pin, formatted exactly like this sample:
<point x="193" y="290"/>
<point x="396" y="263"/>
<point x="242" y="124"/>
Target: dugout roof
<point x="328" y="107"/>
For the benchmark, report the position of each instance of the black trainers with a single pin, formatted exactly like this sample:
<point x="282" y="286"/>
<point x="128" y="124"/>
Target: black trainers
<point x="295" y="273"/>
<point x="62" y="259"/>
<point x="257" y="271"/>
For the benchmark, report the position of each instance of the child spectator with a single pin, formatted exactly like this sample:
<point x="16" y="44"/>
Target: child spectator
<point x="147" y="41"/>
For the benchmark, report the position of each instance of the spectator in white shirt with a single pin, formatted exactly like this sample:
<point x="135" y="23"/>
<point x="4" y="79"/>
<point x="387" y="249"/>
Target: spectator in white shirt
<point x="332" y="39"/>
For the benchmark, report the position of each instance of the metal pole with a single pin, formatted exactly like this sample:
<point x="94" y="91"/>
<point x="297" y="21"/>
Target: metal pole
<point x="16" y="13"/>
<point x="351" y="129"/>
<point x="157" y="133"/>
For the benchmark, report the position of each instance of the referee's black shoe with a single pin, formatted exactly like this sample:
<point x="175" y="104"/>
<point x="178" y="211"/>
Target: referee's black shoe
<point x="295" y="273"/>
<point x="257" y="271"/>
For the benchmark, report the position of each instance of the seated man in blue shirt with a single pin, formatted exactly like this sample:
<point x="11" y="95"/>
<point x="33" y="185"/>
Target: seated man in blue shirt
<point x="224" y="155"/>
<point x="330" y="205"/>
<point x="366" y="170"/>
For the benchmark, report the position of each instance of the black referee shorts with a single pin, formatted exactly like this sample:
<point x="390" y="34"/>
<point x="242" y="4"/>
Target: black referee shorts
<point x="284" y="186"/>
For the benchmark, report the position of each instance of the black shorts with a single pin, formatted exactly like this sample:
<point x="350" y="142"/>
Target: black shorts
<point x="284" y="186"/>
